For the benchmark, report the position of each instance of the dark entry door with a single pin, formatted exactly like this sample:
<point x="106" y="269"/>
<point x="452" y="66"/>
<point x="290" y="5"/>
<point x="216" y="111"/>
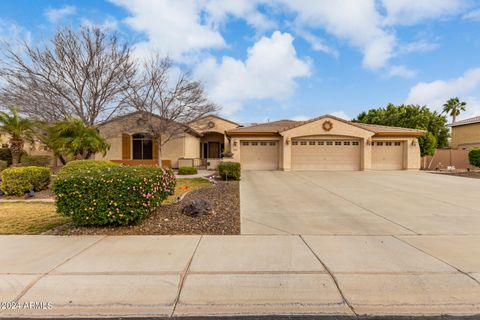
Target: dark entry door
<point x="214" y="150"/>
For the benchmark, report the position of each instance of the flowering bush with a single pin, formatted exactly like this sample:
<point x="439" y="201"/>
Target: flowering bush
<point x="229" y="170"/>
<point x="112" y="195"/>
<point x="19" y="180"/>
<point x="82" y="165"/>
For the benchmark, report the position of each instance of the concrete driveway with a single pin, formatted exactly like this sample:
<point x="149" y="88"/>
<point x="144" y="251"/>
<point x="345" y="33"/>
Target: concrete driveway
<point x="359" y="203"/>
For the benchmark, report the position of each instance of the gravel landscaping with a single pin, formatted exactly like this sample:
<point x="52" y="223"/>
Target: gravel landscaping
<point x="466" y="174"/>
<point x="169" y="219"/>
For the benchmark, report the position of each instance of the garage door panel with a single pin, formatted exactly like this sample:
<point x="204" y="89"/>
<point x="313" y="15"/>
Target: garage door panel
<point x="387" y="155"/>
<point x="325" y="155"/>
<point x="259" y="155"/>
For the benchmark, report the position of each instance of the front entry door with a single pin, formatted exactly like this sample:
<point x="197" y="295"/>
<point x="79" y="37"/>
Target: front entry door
<point x="214" y="150"/>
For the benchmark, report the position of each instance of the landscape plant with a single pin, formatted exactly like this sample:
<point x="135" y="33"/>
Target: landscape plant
<point x="36" y="160"/>
<point x="454" y="107"/>
<point x="19" y="131"/>
<point x="474" y="157"/>
<point x="17" y="181"/>
<point x="3" y="165"/>
<point x="85" y="165"/>
<point x="187" y="170"/>
<point x="112" y="195"/>
<point x="229" y="170"/>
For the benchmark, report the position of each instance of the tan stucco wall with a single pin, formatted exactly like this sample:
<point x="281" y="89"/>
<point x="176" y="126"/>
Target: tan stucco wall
<point x="192" y="147"/>
<point x="467" y="136"/>
<point x="220" y="126"/>
<point x="339" y="129"/>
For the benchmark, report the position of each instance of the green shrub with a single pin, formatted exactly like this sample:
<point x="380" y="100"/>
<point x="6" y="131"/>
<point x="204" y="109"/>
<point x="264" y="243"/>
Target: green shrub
<point x="19" y="180"/>
<point x="6" y="155"/>
<point x="3" y="165"/>
<point x="85" y="165"/>
<point x="229" y="170"/>
<point x="474" y="157"/>
<point x="119" y="195"/>
<point x="187" y="170"/>
<point x="36" y="160"/>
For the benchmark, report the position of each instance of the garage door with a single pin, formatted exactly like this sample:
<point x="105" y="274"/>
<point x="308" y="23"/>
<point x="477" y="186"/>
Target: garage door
<point x="259" y="155"/>
<point x="387" y="155"/>
<point x="325" y="154"/>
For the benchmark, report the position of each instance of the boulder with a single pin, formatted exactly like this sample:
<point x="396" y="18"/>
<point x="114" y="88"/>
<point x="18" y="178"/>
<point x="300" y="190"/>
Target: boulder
<point x="196" y="208"/>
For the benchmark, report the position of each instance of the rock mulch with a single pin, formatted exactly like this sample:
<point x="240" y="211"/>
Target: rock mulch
<point x="466" y="174"/>
<point x="169" y="220"/>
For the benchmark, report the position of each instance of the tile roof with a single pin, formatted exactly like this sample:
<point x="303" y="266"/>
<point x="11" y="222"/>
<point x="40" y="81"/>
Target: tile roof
<point x="283" y="125"/>
<point x="466" y="121"/>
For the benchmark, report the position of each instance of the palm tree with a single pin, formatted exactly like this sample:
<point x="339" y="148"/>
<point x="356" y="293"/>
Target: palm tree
<point x="454" y="106"/>
<point x="75" y="139"/>
<point x="18" y="129"/>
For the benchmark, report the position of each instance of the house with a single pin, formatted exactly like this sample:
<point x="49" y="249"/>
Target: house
<point x="325" y="143"/>
<point x="203" y="140"/>
<point x="466" y="134"/>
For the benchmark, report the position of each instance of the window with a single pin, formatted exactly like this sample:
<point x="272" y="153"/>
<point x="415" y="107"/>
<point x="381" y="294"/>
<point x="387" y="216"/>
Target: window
<point x="303" y="143"/>
<point x="142" y="147"/>
<point x="338" y="143"/>
<point x="321" y="143"/>
<point x="388" y="143"/>
<point x="245" y="143"/>
<point x="355" y="143"/>
<point x="379" y="143"/>
<point x="295" y="143"/>
<point x="329" y="143"/>
<point x="272" y="143"/>
<point x="254" y="143"/>
<point x="311" y="143"/>
<point x="397" y="143"/>
<point x="263" y="143"/>
<point x="346" y="143"/>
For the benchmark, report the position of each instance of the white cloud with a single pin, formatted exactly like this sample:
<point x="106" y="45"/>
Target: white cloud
<point x="401" y="71"/>
<point x="269" y="72"/>
<point x="172" y="27"/>
<point x="14" y="35"/>
<point x="420" y="46"/>
<point x="434" y="94"/>
<point x="318" y="44"/>
<point x="55" y="15"/>
<point x="408" y="12"/>
<point x="341" y="114"/>
<point x="472" y="15"/>
<point x="110" y="23"/>
<point x="301" y="117"/>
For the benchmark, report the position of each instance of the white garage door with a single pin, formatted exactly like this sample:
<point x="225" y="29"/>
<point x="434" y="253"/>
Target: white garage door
<point x="325" y="154"/>
<point x="259" y="155"/>
<point x="387" y="155"/>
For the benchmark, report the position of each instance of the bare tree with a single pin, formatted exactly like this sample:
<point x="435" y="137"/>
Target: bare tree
<point x="166" y="106"/>
<point x="82" y="74"/>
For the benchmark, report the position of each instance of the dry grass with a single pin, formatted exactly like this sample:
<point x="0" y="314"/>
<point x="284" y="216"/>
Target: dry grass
<point x="28" y="218"/>
<point x="186" y="185"/>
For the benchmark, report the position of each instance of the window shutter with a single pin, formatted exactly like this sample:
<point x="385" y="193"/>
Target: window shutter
<point x="155" y="149"/>
<point x="126" y="146"/>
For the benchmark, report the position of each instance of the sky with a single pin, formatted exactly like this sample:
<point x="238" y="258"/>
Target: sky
<point x="265" y="60"/>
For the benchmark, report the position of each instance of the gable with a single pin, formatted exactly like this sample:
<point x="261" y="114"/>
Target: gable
<point x="213" y="124"/>
<point x="319" y="126"/>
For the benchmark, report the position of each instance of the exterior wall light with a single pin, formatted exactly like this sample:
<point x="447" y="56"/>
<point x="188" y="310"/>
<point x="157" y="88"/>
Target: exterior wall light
<point x="414" y="142"/>
<point x="287" y="141"/>
<point x="234" y="143"/>
<point x="368" y="142"/>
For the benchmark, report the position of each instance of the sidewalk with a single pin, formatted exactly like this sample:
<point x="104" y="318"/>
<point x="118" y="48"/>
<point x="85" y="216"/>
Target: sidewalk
<point x="92" y="276"/>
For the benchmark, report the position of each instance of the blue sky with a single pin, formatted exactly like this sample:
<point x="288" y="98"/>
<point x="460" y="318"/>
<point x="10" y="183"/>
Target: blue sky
<point x="297" y="59"/>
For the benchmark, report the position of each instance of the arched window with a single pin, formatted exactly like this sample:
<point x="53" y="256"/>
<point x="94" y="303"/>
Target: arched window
<point x="142" y="146"/>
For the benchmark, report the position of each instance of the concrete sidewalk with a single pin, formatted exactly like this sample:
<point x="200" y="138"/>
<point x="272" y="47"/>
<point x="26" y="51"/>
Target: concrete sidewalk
<point x="231" y="275"/>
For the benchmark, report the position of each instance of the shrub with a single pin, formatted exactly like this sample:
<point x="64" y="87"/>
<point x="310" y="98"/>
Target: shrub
<point x="19" y="180"/>
<point x="85" y="165"/>
<point x="36" y="160"/>
<point x="187" y="170"/>
<point x="112" y="195"/>
<point x="6" y="155"/>
<point x="3" y="165"/>
<point x="474" y="157"/>
<point x="229" y="170"/>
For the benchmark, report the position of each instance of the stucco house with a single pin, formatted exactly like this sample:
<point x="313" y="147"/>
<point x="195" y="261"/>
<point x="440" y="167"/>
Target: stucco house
<point x="130" y="143"/>
<point x="466" y="134"/>
<point x="323" y="143"/>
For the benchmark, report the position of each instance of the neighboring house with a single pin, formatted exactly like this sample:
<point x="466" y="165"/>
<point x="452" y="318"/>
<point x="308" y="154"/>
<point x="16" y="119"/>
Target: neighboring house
<point x="325" y="143"/>
<point x="130" y="143"/>
<point x="466" y="134"/>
